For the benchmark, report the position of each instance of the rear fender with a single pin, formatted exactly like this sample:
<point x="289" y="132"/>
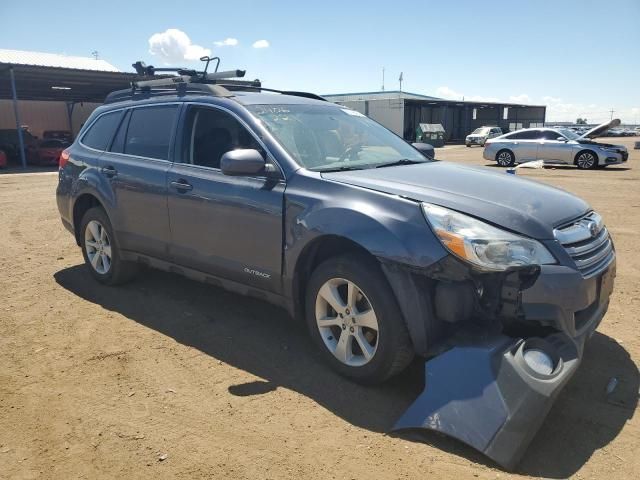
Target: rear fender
<point x="92" y="182"/>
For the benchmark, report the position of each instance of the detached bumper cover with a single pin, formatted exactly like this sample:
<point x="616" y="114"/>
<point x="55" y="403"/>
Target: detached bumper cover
<point x="485" y="394"/>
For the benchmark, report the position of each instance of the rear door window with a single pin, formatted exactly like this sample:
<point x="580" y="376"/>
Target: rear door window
<point x="526" y="135"/>
<point x="150" y="131"/>
<point x="101" y="131"/>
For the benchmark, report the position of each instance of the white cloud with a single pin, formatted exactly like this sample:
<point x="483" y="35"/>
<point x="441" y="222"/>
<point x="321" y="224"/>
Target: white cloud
<point x="561" y="111"/>
<point x="522" y="98"/>
<point x="450" y="94"/>
<point x="173" y="46"/>
<point x="260" y="44"/>
<point x="227" y="42"/>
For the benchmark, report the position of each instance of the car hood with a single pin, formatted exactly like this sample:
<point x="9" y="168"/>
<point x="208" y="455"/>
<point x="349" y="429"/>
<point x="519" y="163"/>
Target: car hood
<point x="601" y="129"/>
<point x="514" y="203"/>
<point x="477" y="135"/>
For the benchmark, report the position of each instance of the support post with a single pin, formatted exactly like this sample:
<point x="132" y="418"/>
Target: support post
<point x="23" y="157"/>
<point x="70" y="106"/>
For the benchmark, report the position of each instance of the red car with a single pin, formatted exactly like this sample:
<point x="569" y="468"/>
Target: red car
<point x="48" y="152"/>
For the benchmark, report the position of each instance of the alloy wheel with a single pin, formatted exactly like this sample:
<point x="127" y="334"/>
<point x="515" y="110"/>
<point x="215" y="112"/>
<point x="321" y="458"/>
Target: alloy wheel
<point x="586" y="160"/>
<point x="504" y="159"/>
<point x="347" y="322"/>
<point x="98" y="247"/>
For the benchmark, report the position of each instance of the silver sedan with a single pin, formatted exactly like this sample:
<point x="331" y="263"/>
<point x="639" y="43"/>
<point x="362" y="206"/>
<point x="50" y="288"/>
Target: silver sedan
<point x="555" y="146"/>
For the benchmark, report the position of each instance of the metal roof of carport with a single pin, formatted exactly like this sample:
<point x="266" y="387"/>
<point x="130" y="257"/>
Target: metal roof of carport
<point x="28" y="75"/>
<point x="48" y="76"/>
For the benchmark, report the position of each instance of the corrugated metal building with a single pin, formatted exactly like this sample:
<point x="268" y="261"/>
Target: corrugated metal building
<point x="39" y="116"/>
<point x="401" y="112"/>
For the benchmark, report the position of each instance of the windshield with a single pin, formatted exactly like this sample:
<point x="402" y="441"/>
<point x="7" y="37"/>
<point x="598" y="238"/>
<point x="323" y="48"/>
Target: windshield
<point x="570" y="134"/>
<point x="481" y="131"/>
<point x="328" y="137"/>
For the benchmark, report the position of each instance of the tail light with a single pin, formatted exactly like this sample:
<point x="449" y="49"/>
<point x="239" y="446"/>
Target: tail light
<point x="64" y="158"/>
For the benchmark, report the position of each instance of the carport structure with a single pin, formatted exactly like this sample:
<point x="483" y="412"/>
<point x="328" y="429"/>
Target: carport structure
<point x="55" y="78"/>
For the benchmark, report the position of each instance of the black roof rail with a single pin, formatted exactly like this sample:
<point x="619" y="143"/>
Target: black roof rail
<point x="283" y="92"/>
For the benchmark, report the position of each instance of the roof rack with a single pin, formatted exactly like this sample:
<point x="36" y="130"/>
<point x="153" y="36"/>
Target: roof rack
<point x="190" y="81"/>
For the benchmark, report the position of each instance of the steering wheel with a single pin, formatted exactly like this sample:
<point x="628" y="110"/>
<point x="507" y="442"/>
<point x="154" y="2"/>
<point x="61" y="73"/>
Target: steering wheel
<point x="351" y="152"/>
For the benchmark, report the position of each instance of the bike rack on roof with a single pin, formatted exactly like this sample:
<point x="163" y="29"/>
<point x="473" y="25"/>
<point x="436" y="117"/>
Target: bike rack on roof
<point x="190" y="81"/>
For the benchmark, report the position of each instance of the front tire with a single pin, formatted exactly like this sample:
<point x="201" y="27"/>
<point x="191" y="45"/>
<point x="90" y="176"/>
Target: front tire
<point x="355" y="321"/>
<point x="100" y="249"/>
<point x="586" y="160"/>
<point x="505" y="158"/>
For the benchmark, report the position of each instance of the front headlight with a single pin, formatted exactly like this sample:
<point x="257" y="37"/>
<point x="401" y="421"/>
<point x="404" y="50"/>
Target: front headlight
<point x="482" y="244"/>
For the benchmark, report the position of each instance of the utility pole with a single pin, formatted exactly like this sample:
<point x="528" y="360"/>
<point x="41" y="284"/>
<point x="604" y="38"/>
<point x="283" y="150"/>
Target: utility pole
<point x="383" y="79"/>
<point x="94" y="54"/>
<point x="400" y="80"/>
<point x="612" y="111"/>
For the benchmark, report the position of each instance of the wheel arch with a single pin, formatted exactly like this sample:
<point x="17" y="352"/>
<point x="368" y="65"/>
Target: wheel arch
<point x="414" y="302"/>
<point x="584" y="150"/>
<point x="313" y="254"/>
<point x="81" y="205"/>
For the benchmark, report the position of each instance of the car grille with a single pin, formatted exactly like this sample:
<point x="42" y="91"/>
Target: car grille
<point x="625" y="156"/>
<point x="588" y="243"/>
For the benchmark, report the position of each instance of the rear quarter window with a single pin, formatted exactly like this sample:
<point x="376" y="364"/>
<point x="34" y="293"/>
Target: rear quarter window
<point x="101" y="131"/>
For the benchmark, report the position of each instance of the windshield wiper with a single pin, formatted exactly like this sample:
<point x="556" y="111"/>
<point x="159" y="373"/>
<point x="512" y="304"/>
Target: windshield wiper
<point x="344" y="168"/>
<point x="402" y="161"/>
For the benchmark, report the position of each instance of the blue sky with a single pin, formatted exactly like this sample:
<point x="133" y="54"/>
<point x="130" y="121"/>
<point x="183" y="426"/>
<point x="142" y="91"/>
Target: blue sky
<point x="581" y="58"/>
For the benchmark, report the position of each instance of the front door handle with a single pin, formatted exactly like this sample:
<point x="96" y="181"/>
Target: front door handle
<point x="182" y="185"/>
<point x="109" y="171"/>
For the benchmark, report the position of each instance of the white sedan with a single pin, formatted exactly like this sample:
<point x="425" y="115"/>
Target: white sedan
<point x="556" y="146"/>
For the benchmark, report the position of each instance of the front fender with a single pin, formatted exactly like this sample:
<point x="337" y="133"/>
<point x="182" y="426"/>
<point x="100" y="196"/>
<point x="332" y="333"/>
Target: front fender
<point x="389" y="227"/>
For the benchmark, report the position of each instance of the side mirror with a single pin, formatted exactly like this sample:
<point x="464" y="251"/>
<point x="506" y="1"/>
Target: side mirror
<point x="242" y="162"/>
<point x="425" y="149"/>
<point x="561" y="139"/>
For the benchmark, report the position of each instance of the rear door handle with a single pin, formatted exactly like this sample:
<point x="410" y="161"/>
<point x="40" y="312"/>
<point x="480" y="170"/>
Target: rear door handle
<point x="109" y="171"/>
<point x="182" y="185"/>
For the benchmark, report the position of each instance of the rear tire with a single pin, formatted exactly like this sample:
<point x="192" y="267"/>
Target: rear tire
<point x="100" y="249"/>
<point x="505" y="158"/>
<point x="586" y="160"/>
<point x="364" y="337"/>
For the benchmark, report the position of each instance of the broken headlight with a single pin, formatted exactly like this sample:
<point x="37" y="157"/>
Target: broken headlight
<point x="482" y="244"/>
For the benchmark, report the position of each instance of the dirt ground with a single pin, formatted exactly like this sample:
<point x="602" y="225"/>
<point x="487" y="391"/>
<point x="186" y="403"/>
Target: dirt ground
<point x="168" y="378"/>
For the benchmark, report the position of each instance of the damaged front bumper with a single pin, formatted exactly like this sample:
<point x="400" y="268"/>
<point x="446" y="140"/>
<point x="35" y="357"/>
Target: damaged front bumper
<point x="486" y="391"/>
<point x="484" y="394"/>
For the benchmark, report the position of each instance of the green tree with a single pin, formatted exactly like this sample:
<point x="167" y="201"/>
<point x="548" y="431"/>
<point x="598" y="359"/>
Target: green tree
<point x="581" y="121"/>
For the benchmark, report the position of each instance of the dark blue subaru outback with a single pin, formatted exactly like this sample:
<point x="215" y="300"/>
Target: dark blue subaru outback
<point x="385" y="253"/>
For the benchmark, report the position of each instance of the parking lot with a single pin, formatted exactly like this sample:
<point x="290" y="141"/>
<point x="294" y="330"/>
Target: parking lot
<point x="168" y="377"/>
